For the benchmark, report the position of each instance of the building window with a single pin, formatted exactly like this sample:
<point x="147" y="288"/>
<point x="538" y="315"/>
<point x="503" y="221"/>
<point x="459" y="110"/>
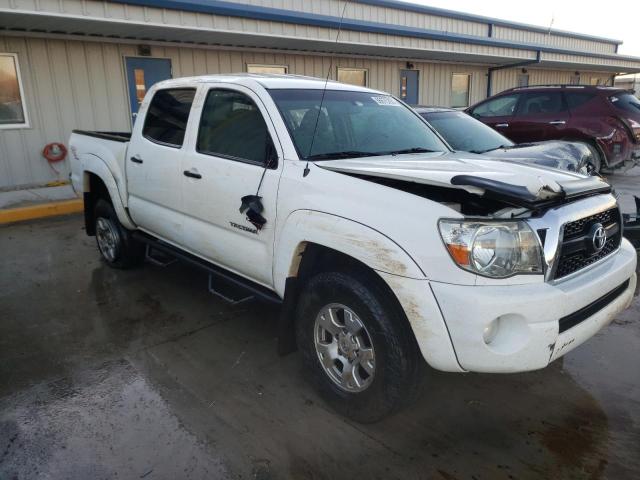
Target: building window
<point x="12" y="109"/>
<point x="353" y="76"/>
<point x="460" y="89"/>
<point x="269" y="69"/>
<point x="523" y="80"/>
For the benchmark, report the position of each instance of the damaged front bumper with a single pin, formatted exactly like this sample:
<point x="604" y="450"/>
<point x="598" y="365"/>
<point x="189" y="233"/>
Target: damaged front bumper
<point x="518" y="328"/>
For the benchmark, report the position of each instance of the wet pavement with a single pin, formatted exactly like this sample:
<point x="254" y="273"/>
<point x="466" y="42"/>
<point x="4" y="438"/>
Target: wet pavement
<point x="143" y="374"/>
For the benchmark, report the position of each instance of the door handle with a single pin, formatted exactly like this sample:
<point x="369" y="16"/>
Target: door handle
<point x="558" y="122"/>
<point x="192" y="174"/>
<point x="136" y="159"/>
<point x="502" y="125"/>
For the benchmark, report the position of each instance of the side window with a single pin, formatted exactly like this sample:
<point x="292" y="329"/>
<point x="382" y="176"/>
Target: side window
<point x="167" y="116"/>
<point x="541" y="104"/>
<point x="577" y="99"/>
<point x="232" y="126"/>
<point x="504" y="106"/>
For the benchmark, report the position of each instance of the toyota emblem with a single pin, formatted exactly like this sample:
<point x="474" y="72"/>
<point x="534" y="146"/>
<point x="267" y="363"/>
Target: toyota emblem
<point x="599" y="238"/>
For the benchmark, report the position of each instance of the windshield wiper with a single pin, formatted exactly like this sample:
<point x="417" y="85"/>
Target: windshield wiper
<point x="410" y="150"/>
<point x="337" y="155"/>
<point x="490" y="149"/>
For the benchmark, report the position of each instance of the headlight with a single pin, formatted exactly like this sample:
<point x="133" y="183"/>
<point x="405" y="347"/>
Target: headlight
<point x="492" y="249"/>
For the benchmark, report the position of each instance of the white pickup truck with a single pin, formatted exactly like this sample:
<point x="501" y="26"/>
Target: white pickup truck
<point x="384" y="246"/>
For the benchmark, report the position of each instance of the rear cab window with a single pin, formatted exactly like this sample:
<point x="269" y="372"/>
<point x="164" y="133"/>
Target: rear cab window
<point x="167" y="116"/>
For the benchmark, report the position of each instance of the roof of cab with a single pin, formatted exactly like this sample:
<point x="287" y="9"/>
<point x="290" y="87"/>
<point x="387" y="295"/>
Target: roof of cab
<point x="268" y="81"/>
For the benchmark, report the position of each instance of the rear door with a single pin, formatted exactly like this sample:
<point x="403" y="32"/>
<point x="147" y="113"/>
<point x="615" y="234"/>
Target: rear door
<point x="234" y="153"/>
<point x="498" y="112"/>
<point x="540" y="116"/>
<point x="153" y="163"/>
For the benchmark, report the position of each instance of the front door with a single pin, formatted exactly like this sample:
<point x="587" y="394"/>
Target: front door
<point x="142" y="73"/>
<point x="409" y="86"/>
<point x="225" y="162"/>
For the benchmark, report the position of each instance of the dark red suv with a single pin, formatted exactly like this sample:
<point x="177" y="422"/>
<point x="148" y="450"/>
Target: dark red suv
<point x="605" y="117"/>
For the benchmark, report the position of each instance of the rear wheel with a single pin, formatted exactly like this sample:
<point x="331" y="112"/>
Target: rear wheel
<point x="116" y="244"/>
<point x="357" y="345"/>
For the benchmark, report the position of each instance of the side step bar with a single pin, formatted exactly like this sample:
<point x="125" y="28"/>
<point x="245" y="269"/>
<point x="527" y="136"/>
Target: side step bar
<point x="227" y="285"/>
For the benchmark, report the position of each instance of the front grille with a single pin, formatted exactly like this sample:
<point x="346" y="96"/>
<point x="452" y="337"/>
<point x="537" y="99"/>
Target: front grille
<point x="575" y="251"/>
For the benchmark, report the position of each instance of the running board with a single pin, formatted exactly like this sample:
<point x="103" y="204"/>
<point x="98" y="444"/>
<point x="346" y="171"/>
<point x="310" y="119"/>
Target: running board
<point x="227" y="285"/>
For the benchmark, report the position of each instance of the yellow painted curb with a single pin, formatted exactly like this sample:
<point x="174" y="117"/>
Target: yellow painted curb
<point x="51" y="209"/>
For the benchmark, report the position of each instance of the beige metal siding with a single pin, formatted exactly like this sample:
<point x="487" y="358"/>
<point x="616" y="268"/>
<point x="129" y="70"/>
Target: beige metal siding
<point x="504" y="79"/>
<point x="371" y="13"/>
<point x="67" y="85"/>
<point x="561" y="41"/>
<point x="71" y="84"/>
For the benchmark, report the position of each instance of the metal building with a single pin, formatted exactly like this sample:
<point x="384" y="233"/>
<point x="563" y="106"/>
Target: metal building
<point x="68" y="64"/>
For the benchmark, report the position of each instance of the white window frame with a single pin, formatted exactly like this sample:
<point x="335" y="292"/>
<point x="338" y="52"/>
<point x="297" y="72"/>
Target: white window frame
<point x="267" y="65"/>
<point x="25" y="124"/>
<point x="354" y="69"/>
<point x="470" y="76"/>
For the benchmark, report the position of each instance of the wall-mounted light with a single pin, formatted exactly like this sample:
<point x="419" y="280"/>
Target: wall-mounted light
<point x="410" y="66"/>
<point x="144" y="50"/>
<point x="524" y="70"/>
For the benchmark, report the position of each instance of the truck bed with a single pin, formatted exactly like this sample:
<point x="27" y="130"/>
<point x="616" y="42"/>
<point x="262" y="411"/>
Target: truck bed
<point x="114" y="136"/>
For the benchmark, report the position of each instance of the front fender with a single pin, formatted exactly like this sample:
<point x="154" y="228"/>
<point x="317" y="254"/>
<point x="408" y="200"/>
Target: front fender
<point x="95" y="165"/>
<point x="349" y="237"/>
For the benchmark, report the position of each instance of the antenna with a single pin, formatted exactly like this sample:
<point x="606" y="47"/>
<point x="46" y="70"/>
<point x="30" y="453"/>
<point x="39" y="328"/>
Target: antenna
<point x="324" y="90"/>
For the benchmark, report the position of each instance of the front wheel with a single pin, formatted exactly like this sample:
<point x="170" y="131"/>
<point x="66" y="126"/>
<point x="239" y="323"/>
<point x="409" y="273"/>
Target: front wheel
<point x="357" y="345"/>
<point x="116" y="244"/>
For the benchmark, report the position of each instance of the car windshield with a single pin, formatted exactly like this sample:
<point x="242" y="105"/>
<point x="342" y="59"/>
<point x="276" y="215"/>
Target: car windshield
<point x="465" y="133"/>
<point x="352" y="124"/>
<point x="627" y="102"/>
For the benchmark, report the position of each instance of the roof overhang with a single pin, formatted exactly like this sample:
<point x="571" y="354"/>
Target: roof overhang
<point x="97" y="28"/>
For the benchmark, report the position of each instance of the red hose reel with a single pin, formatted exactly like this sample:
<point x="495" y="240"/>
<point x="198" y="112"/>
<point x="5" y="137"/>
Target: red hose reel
<point x="54" y="152"/>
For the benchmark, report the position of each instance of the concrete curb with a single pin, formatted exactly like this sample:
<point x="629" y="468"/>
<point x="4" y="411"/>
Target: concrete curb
<point x="51" y="209"/>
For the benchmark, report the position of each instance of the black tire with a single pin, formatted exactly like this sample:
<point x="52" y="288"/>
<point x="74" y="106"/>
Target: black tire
<point x="395" y="381"/>
<point x="120" y="249"/>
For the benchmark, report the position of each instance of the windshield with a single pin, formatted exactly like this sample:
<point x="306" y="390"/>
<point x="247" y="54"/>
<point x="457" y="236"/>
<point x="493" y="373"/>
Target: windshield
<point x="465" y="133"/>
<point x="352" y="124"/>
<point x="627" y="102"/>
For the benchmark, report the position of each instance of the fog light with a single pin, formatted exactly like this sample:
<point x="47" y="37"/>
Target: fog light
<point x="490" y="331"/>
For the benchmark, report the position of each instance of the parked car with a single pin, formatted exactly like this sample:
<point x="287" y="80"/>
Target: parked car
<point x="383" y="246"/>
<point x="464" y="133"/>
<point x="607" y="118"/>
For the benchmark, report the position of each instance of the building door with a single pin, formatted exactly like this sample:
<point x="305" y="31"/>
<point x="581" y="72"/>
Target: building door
<point x="409" y="86"/>
<point x="142" y="73"/>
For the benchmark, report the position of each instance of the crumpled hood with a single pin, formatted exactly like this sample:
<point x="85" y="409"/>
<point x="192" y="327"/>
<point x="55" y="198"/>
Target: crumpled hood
<point x="571" y="156"/>
<point x="476" y="174"/>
